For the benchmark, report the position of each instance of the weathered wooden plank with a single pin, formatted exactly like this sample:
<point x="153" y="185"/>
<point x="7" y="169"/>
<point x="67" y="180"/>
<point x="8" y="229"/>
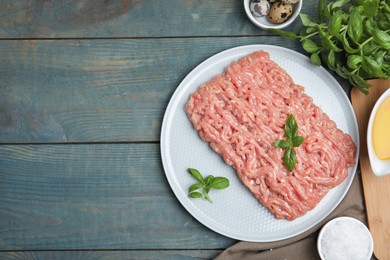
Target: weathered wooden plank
<point x="106" y="255"/>
<point x="93" y="197"/>
<point x="128" y="18"/>
<point x="98" y="90"/>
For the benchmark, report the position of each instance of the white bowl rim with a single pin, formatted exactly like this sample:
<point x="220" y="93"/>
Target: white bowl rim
<point x="379" y="167"/>
<point x="330" y="222"/>
<point x="252" y="18"/>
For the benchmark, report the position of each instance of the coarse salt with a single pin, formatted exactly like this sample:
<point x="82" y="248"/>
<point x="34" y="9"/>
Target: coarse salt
<point x="345" y="238"/>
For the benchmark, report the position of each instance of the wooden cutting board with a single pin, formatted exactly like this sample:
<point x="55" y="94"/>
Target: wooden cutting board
<point x="376" y="189"/>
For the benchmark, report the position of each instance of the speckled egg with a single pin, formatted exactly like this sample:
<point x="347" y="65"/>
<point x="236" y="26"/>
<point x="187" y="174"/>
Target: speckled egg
<point x="259" y="7"/>
<point x="290" y="2"/>
<point x="280" y="12"/>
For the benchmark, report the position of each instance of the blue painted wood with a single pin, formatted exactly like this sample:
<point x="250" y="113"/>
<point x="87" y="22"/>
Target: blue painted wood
<point x="104" y="82"/>
<point x="129" y="18"/>
<point x="98" y="90"/>
<point x="112" y="196"/>
<point x="106" y="255"/>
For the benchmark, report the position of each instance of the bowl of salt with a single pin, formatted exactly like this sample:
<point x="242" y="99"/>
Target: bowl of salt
<point x="345" y="238"/>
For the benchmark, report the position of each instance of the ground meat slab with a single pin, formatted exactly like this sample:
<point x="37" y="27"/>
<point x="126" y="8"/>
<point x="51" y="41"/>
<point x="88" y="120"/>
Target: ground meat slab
<point x="243" y="111"/>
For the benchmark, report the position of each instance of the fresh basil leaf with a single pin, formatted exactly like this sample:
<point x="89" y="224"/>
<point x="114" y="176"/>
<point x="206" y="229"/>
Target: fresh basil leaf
<point x="208" y="180"/>
<point x="347" y="46"/>
<point x="196" y="174"/>
<point x="307" y="20"/>
<point x="345" y="32"/>
<point x="195" y="195"/>
<point x="355" y="26"/>
<point x="386" y="7"/>
<point x="335" y="22"/>
<point x="368" y="28"/>
<point x="360" y="10"/>
<point x="339" y="71"/>
<point x="303" y="34"/>
<point x="321" y="9"/>
<point x="310" y="46"/>
<point x="371" y="7"/>
<point x="315" y="59"/>
<point x="282" y="144"/>
<point x="289" y="35"/>
<point x="324" y="59"/>
<point x="345" y="18"/>
<point x="310" y="30"/>
<point x="289" y="159"/>
<point x="297" y="140"/>
<point x="386" y="65"/>
<point x="339" y="3"/>
<point x="331" y="60"/>
<point x="387" y="15"/>
<point x="362" y="73"/>
<point x="342" y="71"/>
<point x="291" y="132"/>
<point x="353" y="61"/>
<point x="383" y="20"/>
<point x="371" y="66"/>
<point x="370" y="48"/>
<point x="194" y="187"/>
<point x="360" y="83"/>
<point x="206" y="184"/>
<point x="326" y="40"/>
<point x="328" y="11"/>
<point x="207" y="197"/>
<point x="220" y="183"/>
<point x="387" y="57"/>
<point x="382" y="38"/>
<point x="291" y="127"/>
<point x="379" y="57"/>
<point x="332" y="45"/>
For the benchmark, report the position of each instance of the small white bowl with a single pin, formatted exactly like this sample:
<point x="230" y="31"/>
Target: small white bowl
<point x="345" y="238"/>
<point x="379" y="167"/>
<point x="262" y="22"/>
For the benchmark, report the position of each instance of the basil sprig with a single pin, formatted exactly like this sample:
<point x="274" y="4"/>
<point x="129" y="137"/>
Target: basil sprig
<point x="351" y="38"/>
<point x="205" y="184"/>
<point x="293" y="140"/>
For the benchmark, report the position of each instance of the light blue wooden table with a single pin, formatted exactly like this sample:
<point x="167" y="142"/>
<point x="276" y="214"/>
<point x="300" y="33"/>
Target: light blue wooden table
<point x="83" y="89"/>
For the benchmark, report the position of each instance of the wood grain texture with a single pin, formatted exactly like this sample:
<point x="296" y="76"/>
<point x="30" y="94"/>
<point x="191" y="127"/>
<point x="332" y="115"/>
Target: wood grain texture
<point x="129" y="18"/>
<point x="106" y="255"/>
<point x="98" y="90"/>
<point x="376" y="189"/>
<point x="84" y="86"/>
<point x="93" y="197"/>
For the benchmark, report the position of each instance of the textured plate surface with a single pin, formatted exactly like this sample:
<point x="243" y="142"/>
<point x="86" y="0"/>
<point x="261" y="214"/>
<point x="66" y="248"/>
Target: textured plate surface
<point x="235" y="212"/>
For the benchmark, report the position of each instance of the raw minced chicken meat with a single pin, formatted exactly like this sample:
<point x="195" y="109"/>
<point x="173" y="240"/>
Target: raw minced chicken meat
<point x="242" y="111"/>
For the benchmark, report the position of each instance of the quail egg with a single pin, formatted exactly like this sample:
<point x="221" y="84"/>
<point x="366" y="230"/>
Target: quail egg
<point x="280" y="12"/>
<point x="290" y="2"/>
<point x="260" y="7"/>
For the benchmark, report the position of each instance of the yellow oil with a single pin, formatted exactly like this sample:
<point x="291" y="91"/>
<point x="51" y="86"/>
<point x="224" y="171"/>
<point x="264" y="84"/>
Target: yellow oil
<point x="381" y="131"/>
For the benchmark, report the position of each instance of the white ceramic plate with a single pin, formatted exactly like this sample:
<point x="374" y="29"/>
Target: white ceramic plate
<point x="235" y="212"/>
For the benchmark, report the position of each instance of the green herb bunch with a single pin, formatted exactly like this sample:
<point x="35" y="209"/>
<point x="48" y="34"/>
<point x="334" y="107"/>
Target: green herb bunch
<point x="205" y="184"/>
<point x="293" y="140"/>
<point x="351" y="37"/>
